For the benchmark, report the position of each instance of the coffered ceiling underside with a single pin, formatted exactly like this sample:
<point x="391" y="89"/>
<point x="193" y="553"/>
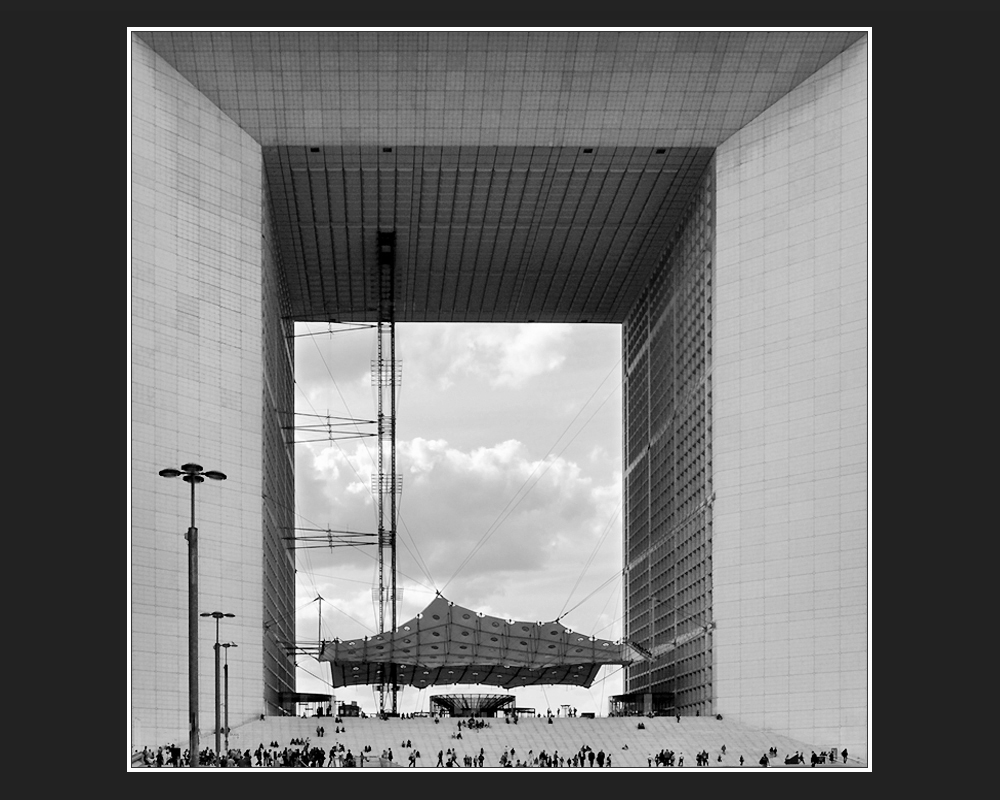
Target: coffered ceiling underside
<point x="496" y="88"/>
<point x="528" y="175"/>
<point x="482" y="234"/>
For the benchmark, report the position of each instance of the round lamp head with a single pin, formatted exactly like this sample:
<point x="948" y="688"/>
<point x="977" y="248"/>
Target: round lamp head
<point x="215" y="475"/>
<point x="192" y="468"/>
<point x="170" y="473"/>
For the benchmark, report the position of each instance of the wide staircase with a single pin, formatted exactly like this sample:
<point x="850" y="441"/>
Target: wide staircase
<point x="619" y="737"/>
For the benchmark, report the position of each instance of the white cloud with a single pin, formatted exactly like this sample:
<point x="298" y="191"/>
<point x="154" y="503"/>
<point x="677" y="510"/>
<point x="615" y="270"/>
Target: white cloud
<point x="492" y="511"/>
<point x="511" y="489"/>
<point x="506" y="356"/>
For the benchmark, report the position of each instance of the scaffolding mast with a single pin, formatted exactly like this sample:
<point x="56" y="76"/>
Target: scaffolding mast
<point x="387" y="375"/>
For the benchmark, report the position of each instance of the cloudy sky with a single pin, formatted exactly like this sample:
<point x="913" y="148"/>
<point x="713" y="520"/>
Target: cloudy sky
<point x="509" y="448"/>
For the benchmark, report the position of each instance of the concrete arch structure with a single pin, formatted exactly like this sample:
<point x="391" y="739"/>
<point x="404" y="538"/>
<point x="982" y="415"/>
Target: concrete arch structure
<point x="705" y="190"/>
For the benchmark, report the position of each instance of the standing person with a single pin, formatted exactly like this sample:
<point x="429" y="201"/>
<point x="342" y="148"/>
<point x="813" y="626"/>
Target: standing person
<point x="763" y="760"/>
<point x="843" y="754"/>
<point x="440" y="758"/>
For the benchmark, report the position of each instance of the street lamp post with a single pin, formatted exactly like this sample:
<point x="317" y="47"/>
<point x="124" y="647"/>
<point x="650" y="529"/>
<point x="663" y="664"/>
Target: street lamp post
<point x="193" y="474"/>
<point x="217" y="615"/>
<point x="225" y="670"/>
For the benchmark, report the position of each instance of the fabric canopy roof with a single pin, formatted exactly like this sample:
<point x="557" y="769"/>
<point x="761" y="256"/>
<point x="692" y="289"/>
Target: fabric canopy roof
<point x="448" y="644"/>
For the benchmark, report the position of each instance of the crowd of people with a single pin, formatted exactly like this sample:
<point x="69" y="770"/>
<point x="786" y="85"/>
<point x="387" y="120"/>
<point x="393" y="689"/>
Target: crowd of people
<point x="586" y="756"/>
<point x="823" y="757"/>
<point x="301" y="752"/>
<point x="473" y="724"/>
<point x="666" y="758"/>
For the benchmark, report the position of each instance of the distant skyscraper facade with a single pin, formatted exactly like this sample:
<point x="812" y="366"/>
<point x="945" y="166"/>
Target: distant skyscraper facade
<point x="708" y="192"/>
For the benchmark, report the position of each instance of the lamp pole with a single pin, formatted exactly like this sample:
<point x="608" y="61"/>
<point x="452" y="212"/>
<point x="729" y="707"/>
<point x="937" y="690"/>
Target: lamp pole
<point x="225" y="669"/>
<point x="217" y="615"/>
<point x="193" y="474"/>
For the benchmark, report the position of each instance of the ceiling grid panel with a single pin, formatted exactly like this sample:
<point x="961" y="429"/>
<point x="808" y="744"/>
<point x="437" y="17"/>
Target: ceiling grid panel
<point x="372" y="118"/>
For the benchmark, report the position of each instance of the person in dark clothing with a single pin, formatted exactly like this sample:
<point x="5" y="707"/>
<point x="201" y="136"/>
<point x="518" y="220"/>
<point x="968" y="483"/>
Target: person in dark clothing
<point x="843" y="754"/>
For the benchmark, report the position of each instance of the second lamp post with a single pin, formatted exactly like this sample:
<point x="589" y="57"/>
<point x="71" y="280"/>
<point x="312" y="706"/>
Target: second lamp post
<point x="217" y="615"/>
<point x="225" y="670"/>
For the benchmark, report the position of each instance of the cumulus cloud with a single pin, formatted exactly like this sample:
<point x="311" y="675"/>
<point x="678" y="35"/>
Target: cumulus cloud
<point x="509" y="451"/>
<point x="505" y="356"/>
<point x="483" y="514"/>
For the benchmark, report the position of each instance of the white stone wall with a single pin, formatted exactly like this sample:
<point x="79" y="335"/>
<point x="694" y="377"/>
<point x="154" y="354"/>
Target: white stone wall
<point x="196" y="397"/>
<point x="790" y="413"/>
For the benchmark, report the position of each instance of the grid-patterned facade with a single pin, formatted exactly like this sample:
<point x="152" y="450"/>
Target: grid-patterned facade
<point x="278" y="477"/>
<point x="790" y="376"/>
<point x="211" y="376"/>
<point x="667" y="348"/>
